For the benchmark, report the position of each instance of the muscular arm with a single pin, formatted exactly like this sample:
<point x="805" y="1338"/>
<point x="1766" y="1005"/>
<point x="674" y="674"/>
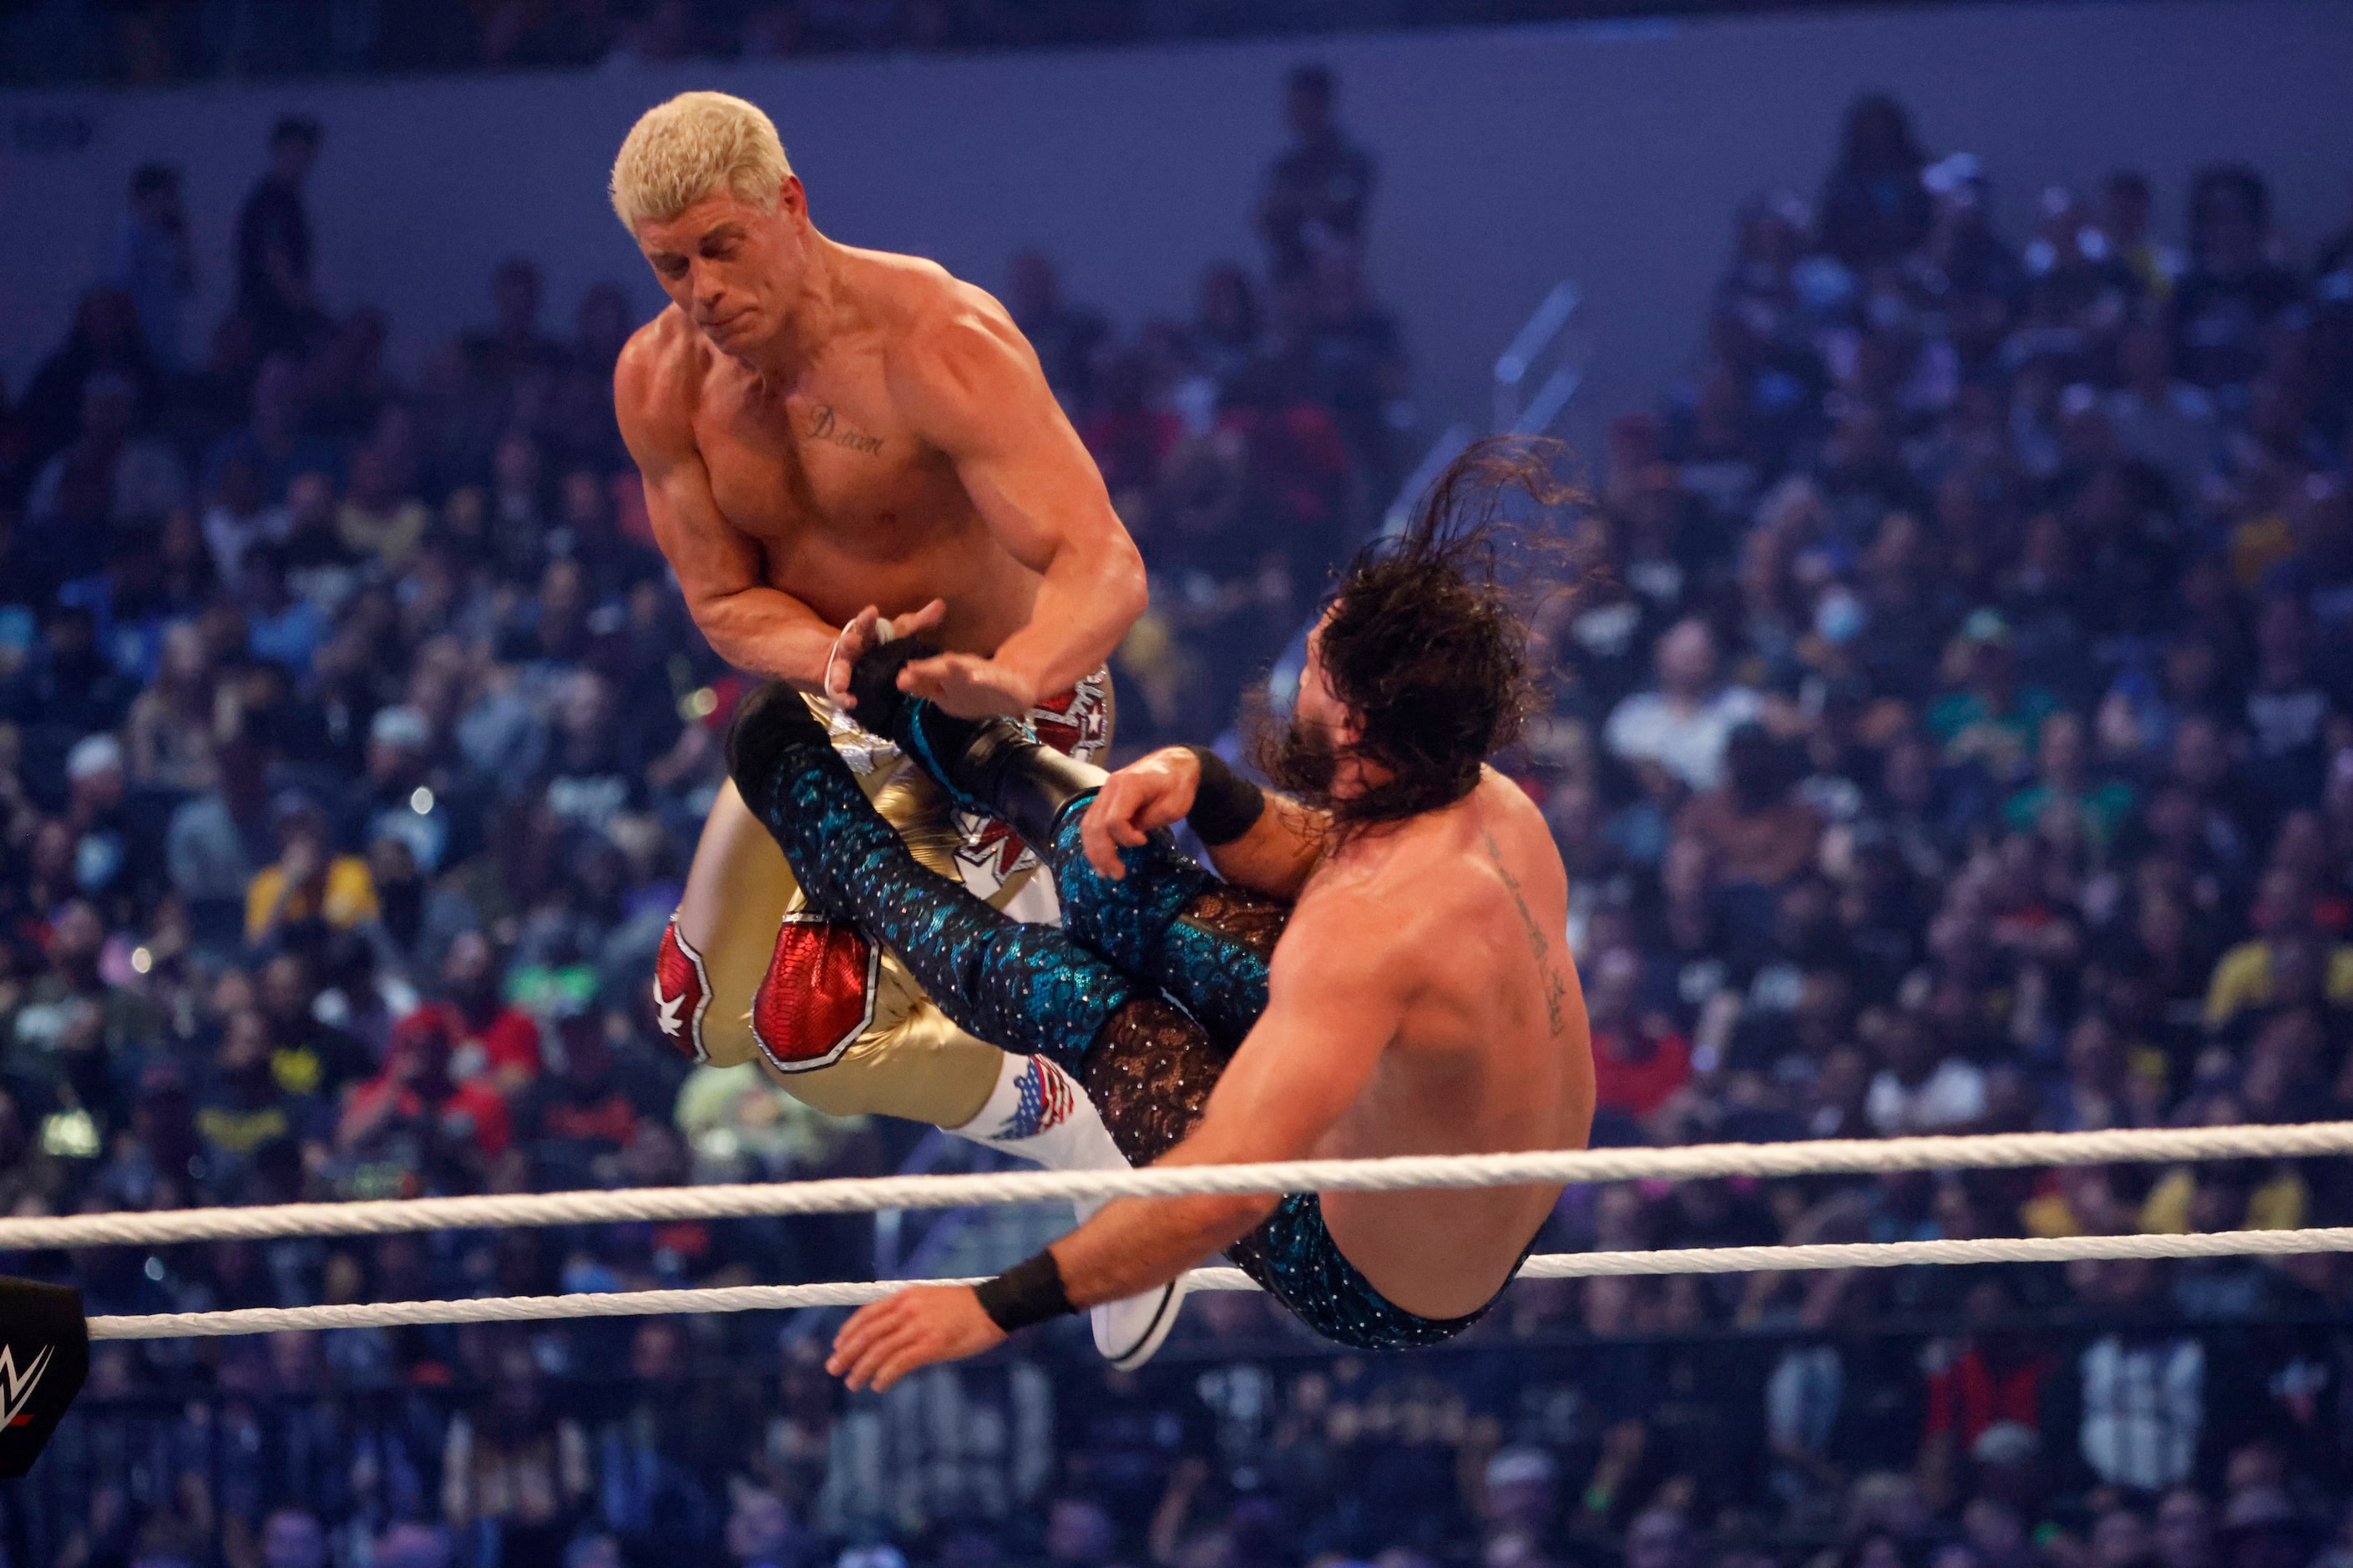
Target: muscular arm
<point x="750" y="624"/>
<point x="970" y="383"/>
<point x="1274" y="857"/>
<point x="1336" y="995"/>
<point x="1334" y="1003"/>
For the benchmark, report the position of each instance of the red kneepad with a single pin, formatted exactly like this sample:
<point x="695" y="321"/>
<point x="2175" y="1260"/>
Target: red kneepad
<point x="818" y="996"/>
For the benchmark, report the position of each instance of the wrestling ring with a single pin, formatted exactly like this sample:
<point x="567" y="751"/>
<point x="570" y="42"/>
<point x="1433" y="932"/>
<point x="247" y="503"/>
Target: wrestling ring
<point x="866" y="1195"/>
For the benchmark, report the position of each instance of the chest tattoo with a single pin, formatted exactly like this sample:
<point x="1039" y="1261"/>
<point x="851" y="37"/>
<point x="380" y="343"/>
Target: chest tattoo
<point x="822" y="426"/>
<point x="1556" y="989"/>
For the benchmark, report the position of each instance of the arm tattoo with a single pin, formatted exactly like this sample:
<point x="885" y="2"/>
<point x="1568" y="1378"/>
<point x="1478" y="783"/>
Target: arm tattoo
<point x="823" y="426"/>
<point x="1554" y="987"/>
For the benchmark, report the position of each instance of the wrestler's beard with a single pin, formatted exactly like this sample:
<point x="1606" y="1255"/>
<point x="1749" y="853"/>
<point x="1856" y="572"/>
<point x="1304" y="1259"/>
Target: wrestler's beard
<point x="1300" y="760"/>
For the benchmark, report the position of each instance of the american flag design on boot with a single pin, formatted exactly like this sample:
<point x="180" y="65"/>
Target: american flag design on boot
<point x="1047" y="1096"/>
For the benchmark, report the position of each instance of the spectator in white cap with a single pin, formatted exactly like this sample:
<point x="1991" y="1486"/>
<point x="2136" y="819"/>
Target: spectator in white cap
<point x="413" y="1546"/>
<point x="94" y="769"/>
<point x="1518" y="1487"/>
<point x="396" y="798"/>
<point x="94" y="791"/>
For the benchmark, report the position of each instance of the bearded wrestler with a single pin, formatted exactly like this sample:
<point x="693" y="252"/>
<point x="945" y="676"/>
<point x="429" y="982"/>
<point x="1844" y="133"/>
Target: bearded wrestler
<point x="1385" y="971"/>
<point x="825" y="432"/>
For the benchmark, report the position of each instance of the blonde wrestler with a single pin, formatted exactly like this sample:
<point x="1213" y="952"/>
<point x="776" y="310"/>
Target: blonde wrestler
<point x="824" y="433"/>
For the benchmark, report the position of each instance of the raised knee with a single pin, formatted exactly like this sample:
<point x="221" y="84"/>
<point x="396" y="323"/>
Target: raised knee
<point x="819" y="995"/>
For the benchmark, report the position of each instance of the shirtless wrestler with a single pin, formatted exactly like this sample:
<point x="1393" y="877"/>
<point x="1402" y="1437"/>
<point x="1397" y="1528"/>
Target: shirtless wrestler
<point x="1419" y="999"/>
<point x="822" y="431"/>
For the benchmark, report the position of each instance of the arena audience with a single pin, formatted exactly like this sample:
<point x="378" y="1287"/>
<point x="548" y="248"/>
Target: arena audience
<point x="1958" y="734"/>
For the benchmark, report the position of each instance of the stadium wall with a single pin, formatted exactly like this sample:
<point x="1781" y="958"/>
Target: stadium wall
<point x="1614" y="154"/>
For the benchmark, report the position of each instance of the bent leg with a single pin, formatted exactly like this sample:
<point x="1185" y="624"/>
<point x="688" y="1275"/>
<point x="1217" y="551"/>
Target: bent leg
<point x="1167" y="922"/>
<point x="1143" y="1063"/>
<point x="736" y="981"/>
<point x="738" y="890"/>
<point x="1027" y="988"/>
<point x="1147" y="1065"/>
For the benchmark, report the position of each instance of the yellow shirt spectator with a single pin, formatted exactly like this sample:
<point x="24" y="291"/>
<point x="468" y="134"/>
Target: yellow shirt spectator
<point x="343" y="898"/>
<point x="2278" y="1203"/>
<point x="2243" y="979"/>
<point x="390" y="534"/>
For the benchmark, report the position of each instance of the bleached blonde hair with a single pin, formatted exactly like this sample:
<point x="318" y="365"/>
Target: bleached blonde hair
<point x="681" y="151"/>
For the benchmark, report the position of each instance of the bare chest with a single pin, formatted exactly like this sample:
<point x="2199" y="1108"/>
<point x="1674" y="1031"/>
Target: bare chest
<point x="827" y="473"/>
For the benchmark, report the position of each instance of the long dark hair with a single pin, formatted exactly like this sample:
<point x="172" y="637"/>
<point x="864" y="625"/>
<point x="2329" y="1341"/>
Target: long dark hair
<point x="1426" y="640"/>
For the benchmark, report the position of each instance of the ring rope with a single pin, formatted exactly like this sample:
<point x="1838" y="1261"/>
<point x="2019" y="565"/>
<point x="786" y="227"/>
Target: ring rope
<point x="1858" y="1156"/>
<point x="1547" y="1266"/>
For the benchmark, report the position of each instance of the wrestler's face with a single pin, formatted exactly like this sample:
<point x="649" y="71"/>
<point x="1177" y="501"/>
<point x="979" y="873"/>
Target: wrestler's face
<point x="1319" y="707"/>
<point x="1310" y="760"/>
<point x="735" y="270"/>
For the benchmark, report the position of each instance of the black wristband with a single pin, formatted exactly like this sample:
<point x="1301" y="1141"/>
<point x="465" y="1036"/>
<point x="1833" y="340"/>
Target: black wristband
<point x="1024" y="1294"/>
<point x="1226" y="805"/>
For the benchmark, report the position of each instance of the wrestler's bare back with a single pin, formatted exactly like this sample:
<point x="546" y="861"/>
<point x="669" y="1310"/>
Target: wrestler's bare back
<point x="1444" y="938"/>
<point x="827" y="488"/>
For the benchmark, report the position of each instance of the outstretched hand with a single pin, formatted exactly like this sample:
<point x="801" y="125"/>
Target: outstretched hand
<point x="1136" y="802"/>
<point x="970" y="687"/>
<point x="886" y="1340"/>
<point x="862" y="635"/>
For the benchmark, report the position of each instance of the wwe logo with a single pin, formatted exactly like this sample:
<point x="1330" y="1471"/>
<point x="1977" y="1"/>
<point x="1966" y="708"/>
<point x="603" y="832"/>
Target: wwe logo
<point x="17" y="1387"/>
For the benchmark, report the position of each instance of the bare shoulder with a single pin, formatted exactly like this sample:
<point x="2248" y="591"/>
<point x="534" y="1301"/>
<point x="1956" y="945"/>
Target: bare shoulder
<point x="915" y="296"/>
<point x="1515" y="820"/>
<point x="946" y="340"/>
<point x="1430" y="871"/>
<point x="1375" y="899"/>
<point x="657" y="381"/>
<point x="1515" y="843"/>
<point x="1345" y="936"/>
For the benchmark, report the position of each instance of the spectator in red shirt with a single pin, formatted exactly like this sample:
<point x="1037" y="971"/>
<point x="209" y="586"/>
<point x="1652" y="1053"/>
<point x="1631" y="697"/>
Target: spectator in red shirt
<point x="1129" y="439"/>
<point x="416" y="1109"/>
<point x="577" y="1118"/>
<point x="1638" y="1061"/>
<point x="1298" y="464"/>
<point x="1990" y="1377"/>
<point x="491" y="1040"/>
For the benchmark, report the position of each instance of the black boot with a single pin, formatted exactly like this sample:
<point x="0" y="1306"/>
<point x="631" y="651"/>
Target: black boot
<point x="997" y="768"/>
<point x="992" y="766"/>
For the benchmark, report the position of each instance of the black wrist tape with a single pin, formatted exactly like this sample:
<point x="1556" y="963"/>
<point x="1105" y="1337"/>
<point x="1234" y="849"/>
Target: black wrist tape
<point x="1227" y="805"/>
<point x="1024" y="1294"/>
<point x="874" y="679"/>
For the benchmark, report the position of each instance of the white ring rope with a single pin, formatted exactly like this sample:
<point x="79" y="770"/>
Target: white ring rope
<point x="860" y="1195"/>
<point x="1549" y="1265"/>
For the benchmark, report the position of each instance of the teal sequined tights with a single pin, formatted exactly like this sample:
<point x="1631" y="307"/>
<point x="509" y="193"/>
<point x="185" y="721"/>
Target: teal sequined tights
<point x="1167" y="947"/>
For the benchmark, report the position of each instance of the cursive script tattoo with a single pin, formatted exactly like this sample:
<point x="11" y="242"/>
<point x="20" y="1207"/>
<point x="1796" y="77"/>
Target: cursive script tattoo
<point x="823" y="426"/>
<point x="1554" y="987"/>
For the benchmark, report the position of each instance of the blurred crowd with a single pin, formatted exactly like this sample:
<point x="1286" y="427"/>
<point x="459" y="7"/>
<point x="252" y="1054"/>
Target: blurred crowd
<point x="149" y="41"/>
<point x="1952" y="734"/>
